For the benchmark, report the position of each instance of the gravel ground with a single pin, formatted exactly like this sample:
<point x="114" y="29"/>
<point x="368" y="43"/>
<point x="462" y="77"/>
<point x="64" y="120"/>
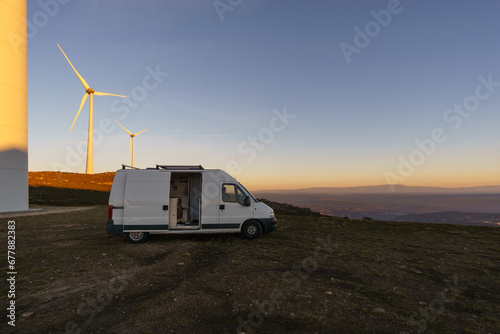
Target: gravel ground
<point x="38" y="210"/>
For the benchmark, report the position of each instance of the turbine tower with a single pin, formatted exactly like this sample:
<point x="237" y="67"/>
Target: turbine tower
<point x="88" y="92"/>
<point x="14" y="110"/>
<point x="132" y="137"/>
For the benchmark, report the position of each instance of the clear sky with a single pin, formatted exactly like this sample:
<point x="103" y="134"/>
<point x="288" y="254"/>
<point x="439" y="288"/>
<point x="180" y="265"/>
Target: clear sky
<point x="282" y="94"/>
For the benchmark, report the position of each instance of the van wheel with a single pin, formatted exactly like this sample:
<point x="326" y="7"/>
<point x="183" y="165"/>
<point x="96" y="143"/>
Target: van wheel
<point x="137" y="237"/>
<point x="251" y="230"/>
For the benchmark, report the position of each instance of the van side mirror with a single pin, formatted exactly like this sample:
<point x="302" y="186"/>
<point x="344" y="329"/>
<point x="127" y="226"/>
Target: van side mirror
<point x="247" y="202"/>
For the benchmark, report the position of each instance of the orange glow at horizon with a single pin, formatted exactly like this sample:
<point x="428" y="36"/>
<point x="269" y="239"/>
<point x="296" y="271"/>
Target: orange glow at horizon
<point x="259" y="182"/>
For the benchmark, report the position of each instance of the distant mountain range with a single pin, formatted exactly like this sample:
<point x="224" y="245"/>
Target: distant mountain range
<point x="389" y="189"/>
<point x="466" y="205"/>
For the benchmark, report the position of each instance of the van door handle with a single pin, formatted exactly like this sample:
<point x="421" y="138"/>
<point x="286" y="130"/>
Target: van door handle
<point x="222" y="207"/>
<point x="165" y="208"/>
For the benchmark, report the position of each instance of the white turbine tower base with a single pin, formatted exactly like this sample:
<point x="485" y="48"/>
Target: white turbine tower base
<point x="132" y="137"/>
<point x="88" y="92"/>
<point x="14" y="111"/>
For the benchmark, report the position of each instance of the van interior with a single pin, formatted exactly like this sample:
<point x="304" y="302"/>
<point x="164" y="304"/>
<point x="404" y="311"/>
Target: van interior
<point x="185" y="201"/>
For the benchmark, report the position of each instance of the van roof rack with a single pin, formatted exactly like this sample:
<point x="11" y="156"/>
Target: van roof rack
<point x="180" y="167"/>
<point x="127" y="166"/>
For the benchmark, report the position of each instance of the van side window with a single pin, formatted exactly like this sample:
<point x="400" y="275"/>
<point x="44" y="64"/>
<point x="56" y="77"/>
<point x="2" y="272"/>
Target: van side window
<point x="233" y="193"/>
<point x="229" y="193"/>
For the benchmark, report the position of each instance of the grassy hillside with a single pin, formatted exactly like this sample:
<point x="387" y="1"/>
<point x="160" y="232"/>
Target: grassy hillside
<point x="69" y="189"/>
<point x="97" y="182"/>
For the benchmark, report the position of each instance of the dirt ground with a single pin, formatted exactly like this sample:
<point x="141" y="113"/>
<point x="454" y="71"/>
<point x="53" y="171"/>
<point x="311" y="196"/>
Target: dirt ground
<point x="313" y="275"/>
<point x="38" y="210"/>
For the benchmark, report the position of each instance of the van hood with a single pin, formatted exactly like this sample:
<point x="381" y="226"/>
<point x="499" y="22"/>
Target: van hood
<point x="262" y="210"/>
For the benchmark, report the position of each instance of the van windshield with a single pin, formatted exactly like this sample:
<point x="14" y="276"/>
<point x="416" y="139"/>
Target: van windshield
<point x="249" y="193"/>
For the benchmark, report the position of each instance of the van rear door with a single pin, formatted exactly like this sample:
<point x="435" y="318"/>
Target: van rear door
<point x="146" y="201"/>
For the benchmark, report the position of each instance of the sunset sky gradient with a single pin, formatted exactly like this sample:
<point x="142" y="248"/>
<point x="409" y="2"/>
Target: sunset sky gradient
<point x="281" y="94"/>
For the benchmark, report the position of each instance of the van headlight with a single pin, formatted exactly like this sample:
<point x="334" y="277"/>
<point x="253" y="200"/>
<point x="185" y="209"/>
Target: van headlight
<point x="271" y="215"/>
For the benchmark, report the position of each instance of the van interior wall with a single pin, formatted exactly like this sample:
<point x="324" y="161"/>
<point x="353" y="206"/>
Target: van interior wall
<point x="186" y="187"/>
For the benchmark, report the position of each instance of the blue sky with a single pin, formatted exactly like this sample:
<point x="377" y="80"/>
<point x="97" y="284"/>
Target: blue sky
<point x="233" y="66"/>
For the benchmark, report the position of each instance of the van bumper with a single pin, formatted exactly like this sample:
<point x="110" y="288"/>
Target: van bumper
<point x="111" y="228"/>
<point x="269" y="224"/>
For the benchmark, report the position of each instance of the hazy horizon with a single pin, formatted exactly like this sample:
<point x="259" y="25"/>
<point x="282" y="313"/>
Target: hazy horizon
<point x="388" y="186"/>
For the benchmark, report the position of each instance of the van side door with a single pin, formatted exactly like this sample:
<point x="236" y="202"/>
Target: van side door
<point x="235" y="206"/>
<point x="146" y="201"/>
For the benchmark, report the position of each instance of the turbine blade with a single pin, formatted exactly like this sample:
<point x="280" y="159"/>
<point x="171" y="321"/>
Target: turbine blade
<point x="84" y="83"/>
<point x="78" y="113"/>
<point x="140" y="132"/>
<point x="100" y="93"/>
<point x="130" y="133"/>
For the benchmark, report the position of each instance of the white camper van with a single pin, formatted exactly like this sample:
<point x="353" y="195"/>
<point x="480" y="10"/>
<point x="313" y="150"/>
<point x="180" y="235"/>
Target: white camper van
<point x="183" y="199"/>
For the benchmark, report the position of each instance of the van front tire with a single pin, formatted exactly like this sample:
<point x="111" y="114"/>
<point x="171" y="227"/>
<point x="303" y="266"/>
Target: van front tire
<point x="137" y="237"/>
<point x="251" y="230"/>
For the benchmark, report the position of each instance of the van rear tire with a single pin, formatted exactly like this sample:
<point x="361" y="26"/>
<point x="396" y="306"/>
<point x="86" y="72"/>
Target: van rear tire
<point x="137" y="237"/>
<point x="251" y="230"/>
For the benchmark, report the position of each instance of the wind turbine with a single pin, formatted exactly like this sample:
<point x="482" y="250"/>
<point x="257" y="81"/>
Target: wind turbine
<point x="132" y="136"/>
<point x="88" y="92"/>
